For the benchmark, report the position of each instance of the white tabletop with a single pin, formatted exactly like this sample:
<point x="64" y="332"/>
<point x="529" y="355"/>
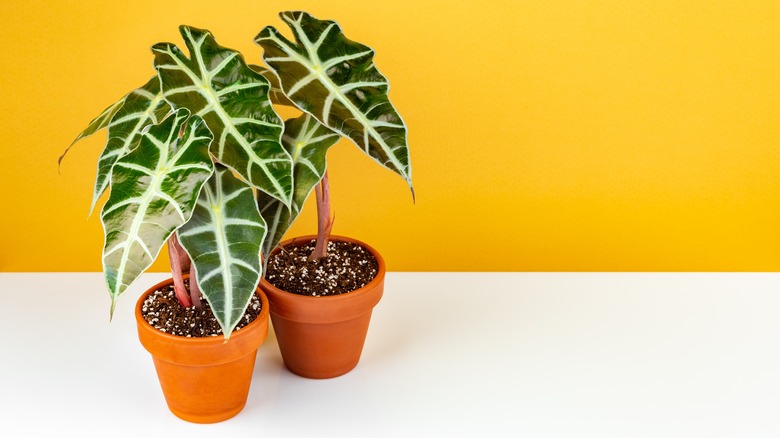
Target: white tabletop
<point x="447" y="354"/>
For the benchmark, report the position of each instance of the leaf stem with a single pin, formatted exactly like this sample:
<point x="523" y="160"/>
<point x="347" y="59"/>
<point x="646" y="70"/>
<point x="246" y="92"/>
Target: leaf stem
<point x="195" y="294"/>
<point x="324" y="221"/>
<point x="179" y="262"/>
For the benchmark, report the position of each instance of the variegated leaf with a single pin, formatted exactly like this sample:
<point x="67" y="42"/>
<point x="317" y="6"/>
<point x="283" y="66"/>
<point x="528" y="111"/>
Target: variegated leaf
<point x="223" y="239"/>
<point x="334" y="79"/>
<point x="275" y="93"/>
<point x="153" y="192"/>
<point x="142" y="107"/>
<point x="216" y="84"/>
<point x="308" y="141"/>
<point x="98" y="123"/>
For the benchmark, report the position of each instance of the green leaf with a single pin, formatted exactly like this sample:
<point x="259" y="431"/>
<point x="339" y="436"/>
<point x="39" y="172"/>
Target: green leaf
<point x="223" y="240"/>
<point x="216" y="84"/>
<point x="335" y="80"/>
<point x="142" y="107"/>
<point x="275" y="93"/>
<point x="308" y="141"/>
<point x="153" y="192"/>
<point x="95" y="125"/>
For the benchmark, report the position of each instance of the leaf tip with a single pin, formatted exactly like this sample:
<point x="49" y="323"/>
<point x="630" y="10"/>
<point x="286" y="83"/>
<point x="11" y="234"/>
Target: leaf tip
<point x="187" y="31"/>
<point x="295" y="15"/>
<point x="265" y="33"/>
<point x="92" y="207"/>
<point x="111" y="311"/>
<point x="160" y="47"/>
<point x="59" y="160"/>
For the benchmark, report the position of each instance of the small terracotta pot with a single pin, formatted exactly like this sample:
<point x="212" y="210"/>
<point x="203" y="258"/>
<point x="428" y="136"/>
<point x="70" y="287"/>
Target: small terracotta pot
<point x="204" y="380"/>
<point x="323" y="337"/>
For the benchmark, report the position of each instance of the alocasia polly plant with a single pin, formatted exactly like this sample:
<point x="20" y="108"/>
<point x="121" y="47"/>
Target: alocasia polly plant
<point x="198" y="157"/>
<point x="334" y="81"/>
<point x="172" y="148"/>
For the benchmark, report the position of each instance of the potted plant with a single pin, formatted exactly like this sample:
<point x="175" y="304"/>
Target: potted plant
<point x="321" y="304"/>
<point x="198" y="158"/>
<point x="173" y="147"/>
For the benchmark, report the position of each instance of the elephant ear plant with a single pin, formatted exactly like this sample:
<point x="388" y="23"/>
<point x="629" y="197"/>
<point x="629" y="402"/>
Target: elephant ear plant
<point x="198" y="158"/>
<point x="334" y="81"/>
<point x="172" y="150"/>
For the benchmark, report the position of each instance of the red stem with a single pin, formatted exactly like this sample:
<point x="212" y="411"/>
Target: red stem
<point x="179" y="262"/>
<point x="324" y="221"/>
<point x="195" y="295"/>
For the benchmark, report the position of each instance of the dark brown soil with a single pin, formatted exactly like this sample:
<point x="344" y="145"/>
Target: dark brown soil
<point x="162" y="311"/>
<point x="347" y="267"/>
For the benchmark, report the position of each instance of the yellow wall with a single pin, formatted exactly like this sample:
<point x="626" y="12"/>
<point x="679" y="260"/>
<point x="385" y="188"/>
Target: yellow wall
<point x="545" y="135"/>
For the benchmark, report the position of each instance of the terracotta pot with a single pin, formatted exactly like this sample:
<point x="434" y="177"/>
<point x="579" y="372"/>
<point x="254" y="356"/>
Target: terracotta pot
<point x="323" y="337"/>
<point x="204" y="380"/>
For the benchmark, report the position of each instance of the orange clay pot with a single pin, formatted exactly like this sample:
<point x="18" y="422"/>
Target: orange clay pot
<point x="323" y="337"/>
<point x="204" y="380"/>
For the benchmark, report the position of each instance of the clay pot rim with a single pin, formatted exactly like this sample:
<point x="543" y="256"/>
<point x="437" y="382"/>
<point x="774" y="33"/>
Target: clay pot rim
<point x="257" y="323"/>
<point x="380" y="275"/>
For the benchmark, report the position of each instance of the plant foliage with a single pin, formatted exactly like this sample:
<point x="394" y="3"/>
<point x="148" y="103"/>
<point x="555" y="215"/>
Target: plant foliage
<point x="200" y="151"/>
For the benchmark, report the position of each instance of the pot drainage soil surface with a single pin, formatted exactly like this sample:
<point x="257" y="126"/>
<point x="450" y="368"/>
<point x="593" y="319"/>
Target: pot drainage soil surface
<point x="347" y="267"/>
<point x="162" y="311"/>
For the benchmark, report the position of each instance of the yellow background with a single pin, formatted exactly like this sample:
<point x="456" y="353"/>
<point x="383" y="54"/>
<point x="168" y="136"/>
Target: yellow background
<point x="545" y="135"/>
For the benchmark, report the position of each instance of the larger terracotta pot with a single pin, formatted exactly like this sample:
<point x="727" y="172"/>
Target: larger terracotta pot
<point x="323" y="337"/>
<point x="204" y="380"/>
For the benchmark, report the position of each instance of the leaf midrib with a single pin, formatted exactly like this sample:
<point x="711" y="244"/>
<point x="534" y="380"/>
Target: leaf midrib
<point x="144" y="203"/>
<point x="224" y="117"/>
<point x="223" y="253"/>
<point x="335" y="90"/>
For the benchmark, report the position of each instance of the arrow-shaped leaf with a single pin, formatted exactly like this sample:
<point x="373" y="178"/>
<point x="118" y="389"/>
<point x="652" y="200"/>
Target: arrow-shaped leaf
<point x="98" y="123"/>
<point x="216" y="84"/>
<point x="308" y="141"/>
<point x="223" y="239"/>
<point x="153" y="192"/>
<point x="334" y="79"/>
<point x="124" y="119"/>
<point x="142" y="107"/>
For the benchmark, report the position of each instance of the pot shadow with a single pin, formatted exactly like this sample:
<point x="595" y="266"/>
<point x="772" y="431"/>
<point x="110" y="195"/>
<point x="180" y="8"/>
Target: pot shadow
<point x="281" y="395"/>
<point x="397" y="328"/>
<point x="266" y="374"/>
<point x="326" y="400"/>
<point x="397" y="331"/>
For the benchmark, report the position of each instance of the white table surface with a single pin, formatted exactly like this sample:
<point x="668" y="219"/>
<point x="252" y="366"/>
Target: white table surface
<point x="447" y="354"/>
